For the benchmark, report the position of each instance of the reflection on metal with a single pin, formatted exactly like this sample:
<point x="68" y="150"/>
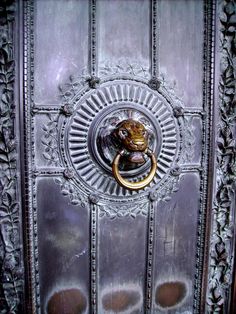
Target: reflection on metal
<point x="134" y="185"/>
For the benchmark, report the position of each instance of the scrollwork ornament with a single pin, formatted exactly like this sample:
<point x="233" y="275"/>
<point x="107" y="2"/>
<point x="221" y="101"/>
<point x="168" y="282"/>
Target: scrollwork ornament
<point x="221" y="249"/>
<point x="11" y="265"/>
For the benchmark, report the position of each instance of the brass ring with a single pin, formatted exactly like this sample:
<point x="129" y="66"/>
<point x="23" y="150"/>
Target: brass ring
<point x="134" y="185"/>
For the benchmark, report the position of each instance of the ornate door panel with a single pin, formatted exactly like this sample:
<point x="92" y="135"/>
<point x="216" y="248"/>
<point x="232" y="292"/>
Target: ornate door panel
<point x="124" y="201"/>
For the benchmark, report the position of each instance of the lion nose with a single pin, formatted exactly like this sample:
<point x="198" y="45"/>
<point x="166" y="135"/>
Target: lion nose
<point x="138" y="142"/>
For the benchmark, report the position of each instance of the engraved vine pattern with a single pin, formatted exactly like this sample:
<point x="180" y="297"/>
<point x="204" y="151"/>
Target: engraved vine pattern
<point x="75" y="84"/>
<point x="11" y="269"/>
<point x="71" y="191"/>
<point x="50" y="141"/>
<point x="188" y="140"/>
<point x="220" y="272"/>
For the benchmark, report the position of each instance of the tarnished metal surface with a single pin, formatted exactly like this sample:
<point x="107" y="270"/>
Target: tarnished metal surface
<point x="90" y="245"/>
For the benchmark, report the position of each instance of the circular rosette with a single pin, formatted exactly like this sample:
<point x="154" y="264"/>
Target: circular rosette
<point x="87" y="145"/>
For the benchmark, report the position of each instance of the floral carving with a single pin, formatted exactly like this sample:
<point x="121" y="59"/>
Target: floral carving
<point x="50" y="141"/>
<point x="121" y="211"/>
<point x="188" y="140"/>
<point x="123" y="67"/>
<point x="71" y="88"/>
<point x="11" y="269"/>
<point x="170" y="187"/>
<point x="70" y="191"/>
<point x="221" y="250"/>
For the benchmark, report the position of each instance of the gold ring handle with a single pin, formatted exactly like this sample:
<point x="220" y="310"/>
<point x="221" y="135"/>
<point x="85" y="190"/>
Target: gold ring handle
<point x="134" y="185"/>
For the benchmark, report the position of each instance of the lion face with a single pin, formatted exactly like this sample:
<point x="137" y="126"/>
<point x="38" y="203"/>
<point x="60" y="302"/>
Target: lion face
<point x="132" y="135"/>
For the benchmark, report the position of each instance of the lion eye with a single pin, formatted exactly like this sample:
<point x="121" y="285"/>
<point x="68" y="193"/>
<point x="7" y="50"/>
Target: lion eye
<point x="123" y="132"/>
<point x="144" y="132"/>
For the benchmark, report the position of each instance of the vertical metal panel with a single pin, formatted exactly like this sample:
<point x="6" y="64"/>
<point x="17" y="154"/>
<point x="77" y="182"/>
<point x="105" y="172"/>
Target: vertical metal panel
<point x="63" y="250"/>
<point x="61" y="45"/>
<point x="181" y="33"/>
<point x="176" y="234"/>
<point x="122" y="260"/>
<point x="122" y="37"/>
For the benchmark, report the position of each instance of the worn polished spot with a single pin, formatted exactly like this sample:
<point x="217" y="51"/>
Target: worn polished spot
<point x="71" y="301"/>
<point x="119" y="301"/>
<point x="170" y="294"/>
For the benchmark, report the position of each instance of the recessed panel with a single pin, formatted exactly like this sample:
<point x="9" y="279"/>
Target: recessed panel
<point x="122" y="260"/>
<point x="181" y="47"/>
<point x="175" y="248"/>
<point x="124" y="33"/>
<point x="63" y="247"/>
<point x="61" y="46"/>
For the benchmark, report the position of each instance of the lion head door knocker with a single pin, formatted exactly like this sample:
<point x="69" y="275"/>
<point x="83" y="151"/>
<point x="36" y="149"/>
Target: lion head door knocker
<point x="131" y="138"/>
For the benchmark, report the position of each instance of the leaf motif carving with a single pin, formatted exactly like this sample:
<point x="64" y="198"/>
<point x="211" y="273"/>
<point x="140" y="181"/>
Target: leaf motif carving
<point x="11" y="283"/>
<point x="221" y="250"/>
<point x="50" y="141"/>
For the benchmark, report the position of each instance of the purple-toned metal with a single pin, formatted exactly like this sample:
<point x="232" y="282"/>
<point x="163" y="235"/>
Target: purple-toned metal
<point x="72" y="239"/>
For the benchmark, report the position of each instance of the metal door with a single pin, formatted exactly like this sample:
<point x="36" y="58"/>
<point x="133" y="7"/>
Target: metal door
<point x="118" y="166"/>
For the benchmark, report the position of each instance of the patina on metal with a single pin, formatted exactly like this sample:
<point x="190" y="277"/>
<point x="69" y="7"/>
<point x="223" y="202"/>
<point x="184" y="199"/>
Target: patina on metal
<point x="61" y="208"/>
<point x="132" y="137"/>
